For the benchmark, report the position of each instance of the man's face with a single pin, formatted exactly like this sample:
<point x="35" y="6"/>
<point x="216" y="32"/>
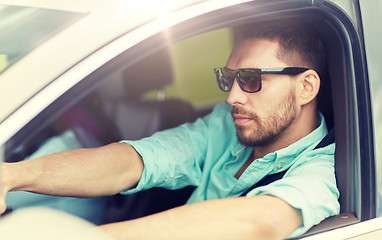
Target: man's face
<point x="261" y="117"/>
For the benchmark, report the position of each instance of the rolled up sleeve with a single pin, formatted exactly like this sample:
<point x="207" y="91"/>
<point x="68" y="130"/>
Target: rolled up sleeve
<point x="309" y="186"/>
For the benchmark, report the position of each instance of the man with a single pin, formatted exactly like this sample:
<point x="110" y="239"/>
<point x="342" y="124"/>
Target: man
<point x="272" y="76"/>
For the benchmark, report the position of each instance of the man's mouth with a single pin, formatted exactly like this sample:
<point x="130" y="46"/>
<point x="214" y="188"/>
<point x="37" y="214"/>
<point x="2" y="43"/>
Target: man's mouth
<point x="241" y="120"/>
<point x="242" y="117"/>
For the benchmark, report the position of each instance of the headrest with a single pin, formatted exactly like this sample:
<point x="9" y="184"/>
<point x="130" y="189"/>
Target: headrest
<point x="153" y="72"/>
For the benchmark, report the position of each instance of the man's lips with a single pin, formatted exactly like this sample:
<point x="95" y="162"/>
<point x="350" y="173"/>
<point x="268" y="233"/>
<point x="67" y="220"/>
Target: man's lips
<point x="241" y="120"/>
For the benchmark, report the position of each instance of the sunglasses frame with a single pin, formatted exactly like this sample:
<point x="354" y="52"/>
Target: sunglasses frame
<point x="236" y="74"/>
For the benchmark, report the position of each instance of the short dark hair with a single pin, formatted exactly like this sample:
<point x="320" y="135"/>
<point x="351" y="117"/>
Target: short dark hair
<point x="300" y="44"/>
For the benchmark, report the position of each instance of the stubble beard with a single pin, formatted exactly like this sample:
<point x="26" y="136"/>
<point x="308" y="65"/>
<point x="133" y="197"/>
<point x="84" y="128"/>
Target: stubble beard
<point x="263" y="132"/>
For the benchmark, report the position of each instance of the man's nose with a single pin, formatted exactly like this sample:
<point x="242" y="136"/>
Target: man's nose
<point x="236" y="95"/>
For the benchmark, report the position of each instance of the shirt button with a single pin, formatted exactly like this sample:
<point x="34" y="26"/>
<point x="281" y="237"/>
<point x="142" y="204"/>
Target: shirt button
<point x="279" y="165"/>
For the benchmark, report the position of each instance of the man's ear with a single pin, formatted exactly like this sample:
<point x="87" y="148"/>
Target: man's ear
<point x="308" y="86"/>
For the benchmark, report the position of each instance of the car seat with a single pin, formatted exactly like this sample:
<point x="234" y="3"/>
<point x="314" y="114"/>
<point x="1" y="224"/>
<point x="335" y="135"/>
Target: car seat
<point x="136" y="117"/>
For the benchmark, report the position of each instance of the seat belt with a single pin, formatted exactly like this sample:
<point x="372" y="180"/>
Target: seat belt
<point x="327" y="140"/>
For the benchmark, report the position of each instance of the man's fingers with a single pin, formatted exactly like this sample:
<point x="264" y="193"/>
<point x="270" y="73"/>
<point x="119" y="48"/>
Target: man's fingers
<point x="3" y="206"/>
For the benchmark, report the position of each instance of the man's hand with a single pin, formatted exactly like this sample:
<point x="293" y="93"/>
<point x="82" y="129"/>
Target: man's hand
<point x="3" y="206"/>
<point x="3" y="188"/>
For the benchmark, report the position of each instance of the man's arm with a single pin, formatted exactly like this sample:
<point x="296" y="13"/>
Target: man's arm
<point x="258" y="217"/>
<point x="80" y="173"/>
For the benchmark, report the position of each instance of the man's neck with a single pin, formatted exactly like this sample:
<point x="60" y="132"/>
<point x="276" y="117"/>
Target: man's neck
<point x="301" y="127"/>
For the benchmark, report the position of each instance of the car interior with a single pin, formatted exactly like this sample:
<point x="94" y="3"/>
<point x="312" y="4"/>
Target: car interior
<point x="126" y="99"/>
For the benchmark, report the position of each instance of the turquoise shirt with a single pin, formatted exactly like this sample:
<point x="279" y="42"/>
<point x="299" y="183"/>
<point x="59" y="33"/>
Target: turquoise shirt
<point x="207" y="154"/>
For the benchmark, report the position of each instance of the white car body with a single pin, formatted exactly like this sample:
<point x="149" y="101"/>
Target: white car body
<point x="102" y="30"/>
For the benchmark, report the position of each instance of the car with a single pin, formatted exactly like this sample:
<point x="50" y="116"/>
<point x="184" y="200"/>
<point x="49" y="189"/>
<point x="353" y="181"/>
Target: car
<point x="101" y="71"/>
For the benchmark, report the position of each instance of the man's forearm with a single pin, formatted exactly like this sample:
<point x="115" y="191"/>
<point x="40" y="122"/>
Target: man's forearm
<point x="259" y="217"/>
<point x="80" y="172"/>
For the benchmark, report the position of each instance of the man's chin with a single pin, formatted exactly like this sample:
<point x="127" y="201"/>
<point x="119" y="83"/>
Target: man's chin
<point x="245" y="140"/>
<point x="251" y="141"/>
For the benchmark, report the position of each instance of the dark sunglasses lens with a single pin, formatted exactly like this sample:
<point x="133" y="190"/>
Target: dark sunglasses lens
<point x="249" y="81"/>
<point x="225" y="79"/>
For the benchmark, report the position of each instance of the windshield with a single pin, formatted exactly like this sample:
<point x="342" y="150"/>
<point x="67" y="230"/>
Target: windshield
<point x="24" y="28"/>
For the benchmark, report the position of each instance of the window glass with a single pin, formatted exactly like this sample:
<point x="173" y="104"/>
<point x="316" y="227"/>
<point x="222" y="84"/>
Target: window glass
<point x="23" y="29"/>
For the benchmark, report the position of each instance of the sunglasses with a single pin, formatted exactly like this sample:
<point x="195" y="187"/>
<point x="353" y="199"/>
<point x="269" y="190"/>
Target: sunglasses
<point x="249" y="79"/>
